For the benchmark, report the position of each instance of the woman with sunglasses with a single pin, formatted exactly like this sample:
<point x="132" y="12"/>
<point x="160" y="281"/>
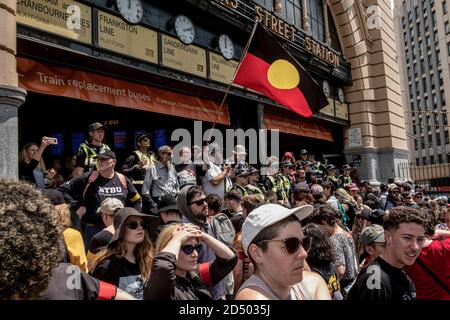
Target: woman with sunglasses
<point x="272" y="238"/>
<point x="175" y="274"/>
<point x="127" y="259"/>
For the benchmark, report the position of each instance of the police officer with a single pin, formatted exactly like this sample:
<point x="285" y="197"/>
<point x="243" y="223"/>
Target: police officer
<point x="303" y="157"/>
<point x="241" y="173"/>
<point x="270" y="171"/>
<point x="284" y="183"/>
<point x="139" y="161"/>
<point x="344" y="178"/>
<point x="320" y="171"/>
<point x="331" y="176"/>
<point x="88" y="150"/>
<point x="253" y="186"/>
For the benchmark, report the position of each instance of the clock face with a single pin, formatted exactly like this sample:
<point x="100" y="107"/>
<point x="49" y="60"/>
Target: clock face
<point x="226" y="46"/>
<point x="131" y="10"/>
<point x="184" y="29"/>
<point x="341" y="95"/>
<point x="326" y="88"/>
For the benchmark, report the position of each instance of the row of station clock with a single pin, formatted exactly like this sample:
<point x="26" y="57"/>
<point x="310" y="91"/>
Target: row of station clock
<point x="132" y="11"/>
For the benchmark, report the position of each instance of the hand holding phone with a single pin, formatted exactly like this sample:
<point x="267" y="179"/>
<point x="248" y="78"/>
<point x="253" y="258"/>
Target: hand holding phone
<point x="51" y="140"/>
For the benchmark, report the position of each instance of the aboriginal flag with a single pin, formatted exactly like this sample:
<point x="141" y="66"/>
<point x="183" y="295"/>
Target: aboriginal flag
<point x="269" y="69"/>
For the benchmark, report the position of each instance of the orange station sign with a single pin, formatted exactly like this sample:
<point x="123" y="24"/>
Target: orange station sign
<point x="66" y="82"/>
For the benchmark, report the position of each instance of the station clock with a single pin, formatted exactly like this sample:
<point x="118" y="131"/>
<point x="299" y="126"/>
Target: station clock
<point x="184" y="28"/>
<point x="131" y="10"/>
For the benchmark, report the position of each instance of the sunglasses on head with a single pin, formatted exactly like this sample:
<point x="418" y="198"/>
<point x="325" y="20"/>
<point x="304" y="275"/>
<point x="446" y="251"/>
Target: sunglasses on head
<point x="293" y="244"/>
<point x="189" y="248"/>
<point x="199" y="202"/>
<point x="133" y="225"/>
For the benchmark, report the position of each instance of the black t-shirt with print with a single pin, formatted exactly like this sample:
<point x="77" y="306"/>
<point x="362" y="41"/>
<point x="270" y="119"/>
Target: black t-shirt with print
<point x="98" y="191"/>
<point x="382" y="282"/>
<point x="329" y="274"/>
<point x="99" y="241"/>
<point x="121" y="273"/>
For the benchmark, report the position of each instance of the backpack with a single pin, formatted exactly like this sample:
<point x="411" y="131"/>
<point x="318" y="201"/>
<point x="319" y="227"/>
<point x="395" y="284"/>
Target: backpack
<point x="222" y="229"/>
<point x="94" y="175"/>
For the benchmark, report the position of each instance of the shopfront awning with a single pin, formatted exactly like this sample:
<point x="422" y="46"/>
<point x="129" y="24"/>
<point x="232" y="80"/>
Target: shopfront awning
<point x="297" y="127"/>
<point x="66" y="82"/>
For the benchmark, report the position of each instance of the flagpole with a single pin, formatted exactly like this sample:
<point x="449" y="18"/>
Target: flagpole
<point x="232" y="79"/>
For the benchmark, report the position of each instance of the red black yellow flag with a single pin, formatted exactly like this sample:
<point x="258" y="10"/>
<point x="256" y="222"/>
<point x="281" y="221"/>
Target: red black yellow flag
<point x="269" y="69"/>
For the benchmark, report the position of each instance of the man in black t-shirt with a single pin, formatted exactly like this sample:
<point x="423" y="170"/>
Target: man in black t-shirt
<point x="85" y="194"/>
<point x="384" y="278"/>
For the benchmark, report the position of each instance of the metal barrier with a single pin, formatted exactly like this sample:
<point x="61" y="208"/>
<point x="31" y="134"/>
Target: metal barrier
<point x="434" y="178"/>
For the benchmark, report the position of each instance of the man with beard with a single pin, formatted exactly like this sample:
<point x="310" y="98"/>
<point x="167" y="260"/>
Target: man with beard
<point x="394" y="198"/>
<point x="384" y="278"/>
<point x="191" y="202"/>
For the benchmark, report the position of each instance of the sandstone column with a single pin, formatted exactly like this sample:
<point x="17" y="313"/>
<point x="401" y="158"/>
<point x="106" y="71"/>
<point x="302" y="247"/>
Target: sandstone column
<point x="11" y="96"/>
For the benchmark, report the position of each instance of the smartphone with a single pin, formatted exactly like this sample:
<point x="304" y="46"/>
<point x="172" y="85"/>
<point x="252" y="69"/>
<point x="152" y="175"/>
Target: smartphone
<point x="52" y="140"/>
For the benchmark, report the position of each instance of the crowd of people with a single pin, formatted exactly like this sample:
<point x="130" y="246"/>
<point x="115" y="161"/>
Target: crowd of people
<point x="213" y="228"/>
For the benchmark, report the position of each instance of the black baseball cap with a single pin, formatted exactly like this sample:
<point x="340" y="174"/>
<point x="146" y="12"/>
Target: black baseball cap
<point x="105" y="153"/>
<point x="168" y="203"/>
<point x="142" y="136"/>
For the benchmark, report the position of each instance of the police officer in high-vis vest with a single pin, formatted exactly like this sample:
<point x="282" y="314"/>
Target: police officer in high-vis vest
<point x="331" y="176"/>
<point x="344" y="178"/>
<point x="241" y="173"/>
<point x="88" y="150"/>
<point x="284" y="183"/>
<point x="139" y="161"/>
<point x="253" y="186"/>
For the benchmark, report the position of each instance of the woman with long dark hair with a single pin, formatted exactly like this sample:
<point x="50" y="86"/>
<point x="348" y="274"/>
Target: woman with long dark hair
<point x="126" y="261"/>
<point x="320" y="258"/>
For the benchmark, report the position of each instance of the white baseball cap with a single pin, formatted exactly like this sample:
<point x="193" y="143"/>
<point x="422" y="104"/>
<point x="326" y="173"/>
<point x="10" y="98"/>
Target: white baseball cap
<point x="267" y="215"/>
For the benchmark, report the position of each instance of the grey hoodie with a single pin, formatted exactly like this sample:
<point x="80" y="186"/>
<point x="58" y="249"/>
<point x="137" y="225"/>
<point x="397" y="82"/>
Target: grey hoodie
<point x="206" y="254"/>
<point x="187" y="215"/>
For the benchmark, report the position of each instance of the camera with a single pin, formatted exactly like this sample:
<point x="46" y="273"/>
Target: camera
<point x="51" y="140"/>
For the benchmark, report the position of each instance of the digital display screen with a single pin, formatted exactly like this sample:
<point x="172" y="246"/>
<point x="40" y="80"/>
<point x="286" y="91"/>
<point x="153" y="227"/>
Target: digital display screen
<point x="77" y="139"/>
<point x="160" y="138"/>
<point x="120" y="139"/>
<point x="57" y="149"/>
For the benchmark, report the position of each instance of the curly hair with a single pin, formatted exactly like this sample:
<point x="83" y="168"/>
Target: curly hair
<point x="399" y="215"/>
<point x="320" y="251"/>
<point x="324" y="213"/>
<point x="429" y="220"/>
<point x="31" y="240"/>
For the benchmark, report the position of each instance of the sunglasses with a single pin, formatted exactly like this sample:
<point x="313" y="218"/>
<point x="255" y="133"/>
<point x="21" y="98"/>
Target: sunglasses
<point x="189" y="248"/>
<point x="293" y="244"/>
<point x="133" y="225"/>
<point x="199" y="202"/>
